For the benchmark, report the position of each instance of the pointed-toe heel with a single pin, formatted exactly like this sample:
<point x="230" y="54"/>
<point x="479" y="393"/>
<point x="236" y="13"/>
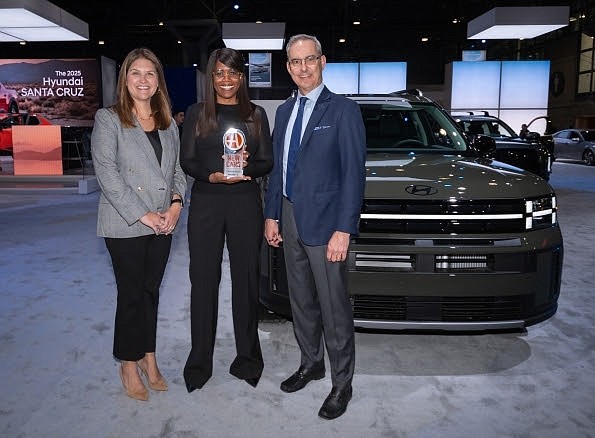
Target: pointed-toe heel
<point x="141" y="395"/>
<point x="159" y="385"/>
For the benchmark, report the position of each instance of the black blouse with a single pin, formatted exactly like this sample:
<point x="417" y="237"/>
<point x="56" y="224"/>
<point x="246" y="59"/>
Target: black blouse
<point x="201" y="156"/>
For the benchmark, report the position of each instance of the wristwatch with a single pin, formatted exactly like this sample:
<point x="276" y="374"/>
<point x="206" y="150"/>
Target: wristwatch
<point x="178" y="200"/>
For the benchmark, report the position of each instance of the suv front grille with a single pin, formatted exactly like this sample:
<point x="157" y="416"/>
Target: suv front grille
<point x="450" y="309"/>
<point x="442" y="217"/>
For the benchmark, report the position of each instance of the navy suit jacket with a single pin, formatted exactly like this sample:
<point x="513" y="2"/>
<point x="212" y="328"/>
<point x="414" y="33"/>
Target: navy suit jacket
<point x="329" y="175"/>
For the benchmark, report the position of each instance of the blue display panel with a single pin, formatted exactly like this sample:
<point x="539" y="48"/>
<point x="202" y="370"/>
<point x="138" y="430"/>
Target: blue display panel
<point x="382" y="77"/>
<point x="500" y="84"/>
<point x="341" y="77"/>
<point x="475" y="85"/>
<point x="524" y="84"/>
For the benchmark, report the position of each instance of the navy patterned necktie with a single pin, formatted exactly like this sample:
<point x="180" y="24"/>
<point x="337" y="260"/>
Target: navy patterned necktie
<point x="294" y="145"/>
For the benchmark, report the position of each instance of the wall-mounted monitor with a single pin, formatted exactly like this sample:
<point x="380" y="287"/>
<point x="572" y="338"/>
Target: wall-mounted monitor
<point x="259" y="70"/>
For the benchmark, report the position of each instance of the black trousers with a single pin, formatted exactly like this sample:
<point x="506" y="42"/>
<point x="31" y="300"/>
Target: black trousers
<point x="214" y="219"/>
<point x="139" y="264"/>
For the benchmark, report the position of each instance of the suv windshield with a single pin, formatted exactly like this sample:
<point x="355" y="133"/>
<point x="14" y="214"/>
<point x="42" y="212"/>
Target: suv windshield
<point x="398" y="126"/>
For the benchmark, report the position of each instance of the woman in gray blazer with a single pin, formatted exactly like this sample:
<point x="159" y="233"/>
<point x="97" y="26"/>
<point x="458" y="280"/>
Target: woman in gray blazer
<point x="135" y="148"/>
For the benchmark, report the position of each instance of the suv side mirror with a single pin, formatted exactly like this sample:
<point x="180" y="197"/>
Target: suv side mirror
<point x="483" y="144"/>
<point x="532" y="136"/>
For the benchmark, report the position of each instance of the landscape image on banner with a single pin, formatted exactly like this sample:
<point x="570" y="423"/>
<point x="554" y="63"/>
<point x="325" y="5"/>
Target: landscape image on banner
<point x="64" y="91"/>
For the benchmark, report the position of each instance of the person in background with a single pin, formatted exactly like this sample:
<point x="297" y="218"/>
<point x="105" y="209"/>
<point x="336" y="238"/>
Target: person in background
<point x="524" y="131"/>
<point x="225" y="210"/>
<point x="179" y="119"/>
<point x="135" y="149"/>
<point x="316" y="191"/>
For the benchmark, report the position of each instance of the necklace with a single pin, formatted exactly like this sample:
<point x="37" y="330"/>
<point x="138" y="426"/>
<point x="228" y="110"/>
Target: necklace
<point x="150" y="116"/>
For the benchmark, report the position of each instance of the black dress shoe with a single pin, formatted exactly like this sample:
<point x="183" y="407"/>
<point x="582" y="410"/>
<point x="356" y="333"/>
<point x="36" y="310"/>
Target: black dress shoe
<point x="301" y="378"/>
<point x="190" y="387"/>
<point x="253" y="381"/>
<point x="336" y="403"/>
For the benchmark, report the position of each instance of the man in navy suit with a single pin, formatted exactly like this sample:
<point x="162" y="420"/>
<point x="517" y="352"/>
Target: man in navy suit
<point x="314" y="196"/>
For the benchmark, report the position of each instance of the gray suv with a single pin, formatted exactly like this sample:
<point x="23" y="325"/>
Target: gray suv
<point x="449" y="239"/>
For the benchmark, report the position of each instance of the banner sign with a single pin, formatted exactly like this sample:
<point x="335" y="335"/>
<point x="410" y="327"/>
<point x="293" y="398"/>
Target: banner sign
<point x="259" y="70"/>
<point x="65" y="91"/>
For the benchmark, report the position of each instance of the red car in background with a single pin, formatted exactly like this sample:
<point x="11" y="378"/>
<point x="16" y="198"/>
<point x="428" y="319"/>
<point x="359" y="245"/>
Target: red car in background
<point x="8" y="120"/>
<point x="8" y="99"/>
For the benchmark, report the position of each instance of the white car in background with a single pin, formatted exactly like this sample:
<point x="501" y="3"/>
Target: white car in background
<point x="8" y="99"/>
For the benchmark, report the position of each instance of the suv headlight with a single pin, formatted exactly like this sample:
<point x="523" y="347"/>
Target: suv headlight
<point x="541" y="212"/>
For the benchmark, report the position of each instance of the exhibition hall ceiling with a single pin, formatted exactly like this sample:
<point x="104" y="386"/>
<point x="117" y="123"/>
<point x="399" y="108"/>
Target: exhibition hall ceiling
<point x="388" y="30"/>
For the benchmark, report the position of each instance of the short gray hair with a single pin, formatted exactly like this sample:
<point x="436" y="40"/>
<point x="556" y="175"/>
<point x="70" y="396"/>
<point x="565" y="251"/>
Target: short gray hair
<point x="303" y="37"/>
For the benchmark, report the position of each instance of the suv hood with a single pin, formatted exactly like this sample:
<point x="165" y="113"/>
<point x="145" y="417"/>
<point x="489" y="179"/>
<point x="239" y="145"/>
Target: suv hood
<point x="447" y="176"/>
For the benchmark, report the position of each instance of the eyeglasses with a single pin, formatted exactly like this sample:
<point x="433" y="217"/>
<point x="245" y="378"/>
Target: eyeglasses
<point x="310" y="61"/>
<point x="231" y="74"/>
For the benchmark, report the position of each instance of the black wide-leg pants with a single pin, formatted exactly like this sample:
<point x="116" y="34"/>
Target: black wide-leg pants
<point x="214" y="219"/>
<point x="139" y="264"/>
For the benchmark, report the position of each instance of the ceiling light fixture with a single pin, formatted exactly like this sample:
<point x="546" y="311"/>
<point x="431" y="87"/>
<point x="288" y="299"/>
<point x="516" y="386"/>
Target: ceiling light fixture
<point x="253" y="36"/>
<point x="517" y="22"/>
<point x="342" y="40"/>
<point x="39" y="20"/>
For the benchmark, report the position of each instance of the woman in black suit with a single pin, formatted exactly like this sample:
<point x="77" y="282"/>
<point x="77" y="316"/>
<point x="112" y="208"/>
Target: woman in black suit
<point x="225" y="210"/>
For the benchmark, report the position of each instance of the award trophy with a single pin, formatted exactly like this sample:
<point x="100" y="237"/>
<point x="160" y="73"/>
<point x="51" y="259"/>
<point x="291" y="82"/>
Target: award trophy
<point x="234" y="142"/>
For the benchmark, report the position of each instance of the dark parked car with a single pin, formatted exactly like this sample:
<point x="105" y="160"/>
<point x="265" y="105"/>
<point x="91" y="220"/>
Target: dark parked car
<point x="449" y="239"/>
<point x="575" y="144"/>
<point x="533" y="153"/>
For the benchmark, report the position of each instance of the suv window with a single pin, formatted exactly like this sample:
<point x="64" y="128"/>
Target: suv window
<point x="493" y="128"/>
<point x="396" y="127"/>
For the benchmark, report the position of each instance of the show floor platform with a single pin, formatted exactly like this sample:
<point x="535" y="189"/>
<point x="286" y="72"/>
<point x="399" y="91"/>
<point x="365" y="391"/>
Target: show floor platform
<point x="78" y="180"/>
<point x="59" y="379"/>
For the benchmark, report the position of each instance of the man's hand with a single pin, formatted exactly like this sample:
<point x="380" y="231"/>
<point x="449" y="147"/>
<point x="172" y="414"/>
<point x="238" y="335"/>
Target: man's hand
<point x="336" y="250"/>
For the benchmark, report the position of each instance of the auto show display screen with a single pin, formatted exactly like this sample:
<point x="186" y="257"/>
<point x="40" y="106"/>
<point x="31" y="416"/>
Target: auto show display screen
<point x="500" y="84"/>
<point x="65" y="91"/>
<point x="341" y="77"/>
<point x="382" y="77"/>
<point x="515" y="91"/>
<point x="365" y="77"/>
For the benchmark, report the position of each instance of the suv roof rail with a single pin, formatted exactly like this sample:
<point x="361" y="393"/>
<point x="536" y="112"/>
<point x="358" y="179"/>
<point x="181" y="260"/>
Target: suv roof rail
<point x="411" y="91"/>
<point x="471" y="113"/>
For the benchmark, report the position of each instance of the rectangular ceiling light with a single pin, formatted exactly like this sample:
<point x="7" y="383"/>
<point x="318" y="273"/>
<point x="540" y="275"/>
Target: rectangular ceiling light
<point x="517" y="22"/>
<point x="254" y="36"/>
<point x="39" y="20"/>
